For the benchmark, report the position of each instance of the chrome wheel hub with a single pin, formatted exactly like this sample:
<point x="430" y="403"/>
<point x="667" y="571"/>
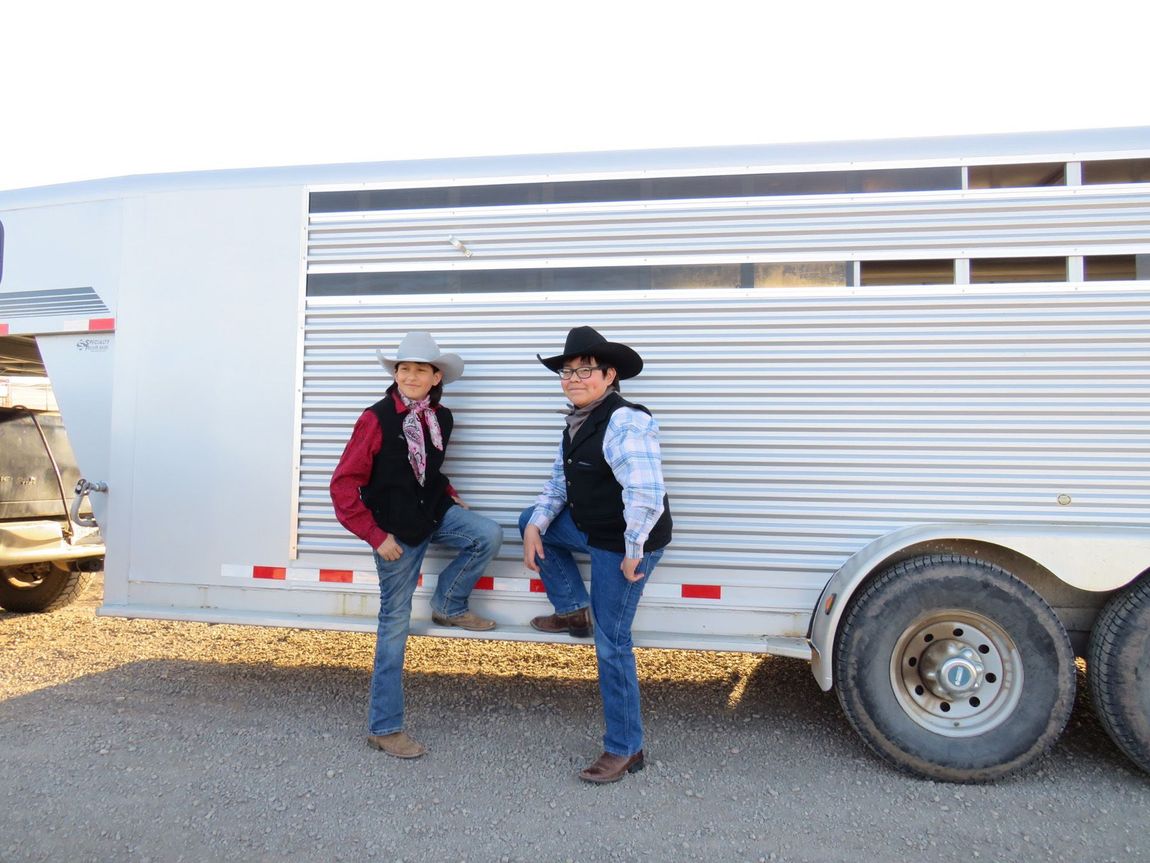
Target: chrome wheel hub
<point x="951" y="669"/>
<point x="956" y="673"/>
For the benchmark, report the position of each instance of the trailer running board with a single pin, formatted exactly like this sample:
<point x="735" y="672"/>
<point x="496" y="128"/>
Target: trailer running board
<point x="793" y="647"/>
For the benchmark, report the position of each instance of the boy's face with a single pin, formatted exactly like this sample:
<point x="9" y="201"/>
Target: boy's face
<point x="415" y="380"/>
<point x="582" y="392"/>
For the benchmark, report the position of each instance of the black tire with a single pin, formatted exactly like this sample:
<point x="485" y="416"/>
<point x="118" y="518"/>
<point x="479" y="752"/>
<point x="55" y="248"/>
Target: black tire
<point x="1118" y="670"/>
<point x="39" y="587"/>
<point x="952" y="668"/>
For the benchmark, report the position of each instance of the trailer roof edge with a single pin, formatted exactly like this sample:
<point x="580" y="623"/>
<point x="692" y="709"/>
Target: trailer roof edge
<point x="794" y="155"/>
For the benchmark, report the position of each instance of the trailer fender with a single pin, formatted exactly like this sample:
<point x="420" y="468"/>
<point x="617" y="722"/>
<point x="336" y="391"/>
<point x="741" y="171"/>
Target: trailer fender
<point x="1086" y="557"/>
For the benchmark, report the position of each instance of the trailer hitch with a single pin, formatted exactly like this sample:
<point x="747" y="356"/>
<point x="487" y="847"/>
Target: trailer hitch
<point x="83" y="488"/>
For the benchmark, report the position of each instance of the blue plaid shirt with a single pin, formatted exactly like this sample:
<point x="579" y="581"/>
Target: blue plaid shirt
<point x="631" y="448"/>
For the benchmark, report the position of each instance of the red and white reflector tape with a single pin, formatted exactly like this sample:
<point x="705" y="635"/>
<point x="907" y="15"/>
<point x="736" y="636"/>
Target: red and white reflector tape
<point x="301" y="575"/>
<point x="91" y="325"/>
<point x="31" y="328"/>
<point x="497" y="584"/>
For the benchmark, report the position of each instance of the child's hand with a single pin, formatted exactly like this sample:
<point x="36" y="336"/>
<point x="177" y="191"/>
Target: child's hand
<point x="628" y="566"/>
<point x="532" y="547"/>
<point x="390" y="549"/>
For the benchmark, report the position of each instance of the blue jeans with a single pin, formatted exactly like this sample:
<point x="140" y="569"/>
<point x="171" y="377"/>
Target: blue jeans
<point x="614" y="601"/>
<point x="478" y="538"/>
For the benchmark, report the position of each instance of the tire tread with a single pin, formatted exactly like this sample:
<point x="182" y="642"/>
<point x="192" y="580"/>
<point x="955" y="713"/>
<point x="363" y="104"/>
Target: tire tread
<point x="61" y="588"/>
<point x="1108" y="694"/>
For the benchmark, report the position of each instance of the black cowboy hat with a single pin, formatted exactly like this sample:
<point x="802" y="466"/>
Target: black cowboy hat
<point x="587" y="342"/>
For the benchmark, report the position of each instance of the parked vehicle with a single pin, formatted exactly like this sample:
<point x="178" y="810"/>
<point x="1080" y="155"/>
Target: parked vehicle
<point x="46" y="551"/>
<point x="902" y="387"/>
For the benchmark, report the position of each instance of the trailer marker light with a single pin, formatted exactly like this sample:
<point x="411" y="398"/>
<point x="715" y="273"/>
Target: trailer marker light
<point x="829" y="604"/>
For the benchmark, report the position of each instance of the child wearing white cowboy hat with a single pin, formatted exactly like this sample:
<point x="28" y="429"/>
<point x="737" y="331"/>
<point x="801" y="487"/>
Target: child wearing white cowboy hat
<point x="388" y="489"/>
<point x="605" y="498"/>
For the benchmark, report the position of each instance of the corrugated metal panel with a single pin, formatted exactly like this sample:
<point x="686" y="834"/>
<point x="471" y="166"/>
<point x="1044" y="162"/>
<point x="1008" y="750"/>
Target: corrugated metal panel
<point x="982" y="223"/>
<point x="796" y="426"/>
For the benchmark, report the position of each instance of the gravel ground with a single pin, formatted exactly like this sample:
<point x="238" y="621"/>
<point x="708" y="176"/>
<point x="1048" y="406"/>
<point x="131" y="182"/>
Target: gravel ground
<point x="147" y="740"/>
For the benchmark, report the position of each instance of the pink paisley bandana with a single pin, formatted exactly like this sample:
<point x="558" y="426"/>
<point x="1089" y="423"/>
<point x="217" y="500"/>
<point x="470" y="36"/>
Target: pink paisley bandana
<point x="413" y="431"/>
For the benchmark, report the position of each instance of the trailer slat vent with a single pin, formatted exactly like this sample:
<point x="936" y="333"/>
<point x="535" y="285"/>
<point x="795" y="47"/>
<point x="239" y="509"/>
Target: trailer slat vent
<point x="72" y="302"/>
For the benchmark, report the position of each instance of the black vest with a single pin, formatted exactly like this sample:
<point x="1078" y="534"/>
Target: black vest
<point x="399" y="504"/>
<point x="593" y="494"/>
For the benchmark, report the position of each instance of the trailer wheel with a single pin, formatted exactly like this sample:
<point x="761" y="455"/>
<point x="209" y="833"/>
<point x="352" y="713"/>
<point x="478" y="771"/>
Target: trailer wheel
<point x="39" y="587"/>
<point x="952" y="668"/>
<point x="1117" y="666"/>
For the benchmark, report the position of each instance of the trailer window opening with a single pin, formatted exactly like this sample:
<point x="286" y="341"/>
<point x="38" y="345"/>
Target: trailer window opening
<point x="1112" y="268"/>
<point x="1013" y="270"/>
<point x="1017" y="176"/>
<point x="935" y="272"/>
<point x="650" y="189"/>
<point x="1116" y="171"/>
<point x="812" y="274"/>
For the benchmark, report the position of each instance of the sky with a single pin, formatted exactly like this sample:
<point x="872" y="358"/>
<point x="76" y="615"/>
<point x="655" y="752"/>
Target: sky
<point x="115" y="88"/>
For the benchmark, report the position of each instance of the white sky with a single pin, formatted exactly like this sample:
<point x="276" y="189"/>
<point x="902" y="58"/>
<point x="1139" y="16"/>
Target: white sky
<point x="98" y="89"/>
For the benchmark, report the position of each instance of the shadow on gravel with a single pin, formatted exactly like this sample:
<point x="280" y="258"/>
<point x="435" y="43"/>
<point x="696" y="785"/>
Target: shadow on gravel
<point x="778" y="692"/>
<point x="766" y="702"/>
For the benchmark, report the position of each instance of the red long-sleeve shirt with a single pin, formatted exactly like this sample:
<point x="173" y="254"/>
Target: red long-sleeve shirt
<point x="354" y="472"/>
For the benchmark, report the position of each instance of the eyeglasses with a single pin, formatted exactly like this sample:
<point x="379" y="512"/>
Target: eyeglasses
<point x="583" y="372"/>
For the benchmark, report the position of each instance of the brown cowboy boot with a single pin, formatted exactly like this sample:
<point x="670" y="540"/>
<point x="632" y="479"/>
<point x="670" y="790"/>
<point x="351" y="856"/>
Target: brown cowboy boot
<point x="398" y="744"/>
<point x="578" y="623"/>
<point x="612" y="768"/>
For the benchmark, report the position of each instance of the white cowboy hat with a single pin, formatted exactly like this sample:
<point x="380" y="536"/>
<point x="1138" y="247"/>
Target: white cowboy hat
<point x="420" y="347"/>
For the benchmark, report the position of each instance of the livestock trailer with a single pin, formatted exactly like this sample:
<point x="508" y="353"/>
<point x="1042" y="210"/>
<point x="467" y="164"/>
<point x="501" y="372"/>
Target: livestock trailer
<point x="903" y="388"/>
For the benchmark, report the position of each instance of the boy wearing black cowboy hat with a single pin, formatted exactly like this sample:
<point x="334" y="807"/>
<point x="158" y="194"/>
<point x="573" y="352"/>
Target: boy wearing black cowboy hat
<point x="605" y="498"/>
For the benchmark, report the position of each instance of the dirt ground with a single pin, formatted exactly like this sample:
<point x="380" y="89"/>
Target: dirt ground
<point x="156" y="741"/>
